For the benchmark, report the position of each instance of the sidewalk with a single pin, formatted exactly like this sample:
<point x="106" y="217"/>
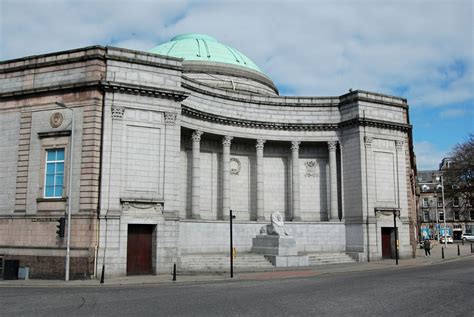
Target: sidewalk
<point x="450" y="254"/>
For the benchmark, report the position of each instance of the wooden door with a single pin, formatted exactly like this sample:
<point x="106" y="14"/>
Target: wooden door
<point x="139" y="244"/>
<point x="386" y="243"/>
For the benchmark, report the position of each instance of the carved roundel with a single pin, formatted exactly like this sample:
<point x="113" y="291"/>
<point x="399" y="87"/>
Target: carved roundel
<point x="234" y="166"/>
<point x="56" y="119"/>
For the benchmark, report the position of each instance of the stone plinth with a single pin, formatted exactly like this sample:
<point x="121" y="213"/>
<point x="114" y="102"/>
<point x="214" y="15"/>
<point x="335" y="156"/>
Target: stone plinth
<point x="274" y="245"/>
<point x="279" y="250"/>
<point x="288" y="260"/>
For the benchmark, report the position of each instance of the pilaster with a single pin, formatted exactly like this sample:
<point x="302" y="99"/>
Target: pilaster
<point x="196" y="170"/>
<point x="295" y="180"/>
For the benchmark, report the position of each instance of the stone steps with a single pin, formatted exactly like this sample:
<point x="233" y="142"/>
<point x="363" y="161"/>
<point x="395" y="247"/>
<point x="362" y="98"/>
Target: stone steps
<point x="220" y="262"/>
<point x="325" y="258"/>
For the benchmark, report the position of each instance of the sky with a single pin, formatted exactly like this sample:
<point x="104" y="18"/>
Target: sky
<point x="419" y="50"/>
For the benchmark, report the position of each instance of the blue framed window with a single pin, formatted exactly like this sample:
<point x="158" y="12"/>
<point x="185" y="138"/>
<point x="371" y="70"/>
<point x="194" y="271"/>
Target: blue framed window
<point x="54" y="173"/>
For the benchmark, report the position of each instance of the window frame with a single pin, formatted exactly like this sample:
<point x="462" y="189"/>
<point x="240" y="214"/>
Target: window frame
<point x="45" y="176"/>
<point x="440" y="216"/>
<point x="425" y="202"/>
<point x="50" y="143"/>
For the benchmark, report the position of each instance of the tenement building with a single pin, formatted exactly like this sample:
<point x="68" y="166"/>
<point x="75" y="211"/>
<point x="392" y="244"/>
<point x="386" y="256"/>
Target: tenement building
<point x="437" y="211"/>
<point x="151" y="150"/>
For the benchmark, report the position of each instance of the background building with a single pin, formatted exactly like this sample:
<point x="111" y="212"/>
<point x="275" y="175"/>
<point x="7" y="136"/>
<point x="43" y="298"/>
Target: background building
<point x="458" y="213"/>
<point x="167" y="142"/>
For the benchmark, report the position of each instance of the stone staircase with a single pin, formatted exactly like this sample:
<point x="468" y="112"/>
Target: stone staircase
<point x="325" y="258"/>
<point x="220" y="262"/>
<point x="249" y="262"/>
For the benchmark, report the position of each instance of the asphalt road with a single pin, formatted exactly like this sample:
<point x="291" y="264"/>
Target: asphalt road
<point x="445" y="289"/>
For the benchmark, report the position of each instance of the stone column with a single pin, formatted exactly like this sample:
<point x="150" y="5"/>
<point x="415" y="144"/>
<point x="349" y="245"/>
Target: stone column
<point x="196" y="170"/>
<point x="332" y="145"/>
<point x="226" y="140"/>
<point x="260" y="182"/>
<point x="295" y="180"/>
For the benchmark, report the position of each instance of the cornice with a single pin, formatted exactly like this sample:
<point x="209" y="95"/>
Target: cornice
<point x="376" y="123"/>
<point x="349" y="99"/>
<point x="45" y="60"/>
<point x="49" y="89"/>
<point x="281" y="101"/>
<point x="177" y="95"/>
<point x="209" y="117"/>
<point x="267" y="125"/>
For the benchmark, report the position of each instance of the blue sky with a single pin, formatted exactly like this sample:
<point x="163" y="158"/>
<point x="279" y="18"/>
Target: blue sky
<point x="420" y="50"/>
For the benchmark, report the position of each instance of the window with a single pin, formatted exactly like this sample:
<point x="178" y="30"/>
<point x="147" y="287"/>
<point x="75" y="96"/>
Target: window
<point x="425" y="188"/>
<point x="426" y="216"/>
<point x="425" y="202"/>
<point x="441" y="216"/>
<point x="456" y="202"/>
<point x="54" y="173"/>
<point x="456" y="215"/>
<point x="471" y="214"/>
<point x="440" y="202"/>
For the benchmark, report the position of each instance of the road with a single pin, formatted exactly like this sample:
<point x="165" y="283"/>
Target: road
<point x="444" y="289"/>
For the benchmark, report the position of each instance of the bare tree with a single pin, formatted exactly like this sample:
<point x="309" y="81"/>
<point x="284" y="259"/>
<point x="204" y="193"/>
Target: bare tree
<point x="459" y="181"/>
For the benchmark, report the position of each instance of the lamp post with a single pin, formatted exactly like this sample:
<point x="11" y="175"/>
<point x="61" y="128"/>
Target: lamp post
<point x="437" y="220"/>
<point x="395" y="214"/>
<point x="444" y="212"/>
<point x="69" y="198"/>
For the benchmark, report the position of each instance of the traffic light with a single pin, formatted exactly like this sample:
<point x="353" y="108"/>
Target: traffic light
<point x="61" y="226"/>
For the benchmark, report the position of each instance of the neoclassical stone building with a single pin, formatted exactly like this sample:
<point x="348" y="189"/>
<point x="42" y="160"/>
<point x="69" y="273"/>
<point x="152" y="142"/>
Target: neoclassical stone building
<point x="167" y="142"/>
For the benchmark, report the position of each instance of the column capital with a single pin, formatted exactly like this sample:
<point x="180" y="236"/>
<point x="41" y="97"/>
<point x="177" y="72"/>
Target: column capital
<point x="196" y="137"/>
<point x="170" y="118"/>
<point x="226" y="140"/>
<point x="117" y="112"/>
<point x="332" y="145"/>
<point x="295" y="145"/>
<point x="399" y="144"/>
<point x="260" y="143"/>
<point x="368" y="141"/>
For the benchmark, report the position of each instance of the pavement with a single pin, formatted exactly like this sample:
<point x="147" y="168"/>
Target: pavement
<point x="450" y="254"/>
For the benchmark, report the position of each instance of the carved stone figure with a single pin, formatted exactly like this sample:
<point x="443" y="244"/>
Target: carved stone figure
<point x="277" y="226"/>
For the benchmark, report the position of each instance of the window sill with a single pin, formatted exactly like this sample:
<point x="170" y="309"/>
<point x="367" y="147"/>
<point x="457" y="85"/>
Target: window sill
<point x="42" y="199"/>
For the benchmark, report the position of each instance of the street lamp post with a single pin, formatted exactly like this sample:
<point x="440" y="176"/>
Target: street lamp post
<point x="444" y="212"/>
<point x="69" y="199"/>
<point x="397" y="243"/>
<point x="437" y="220"/>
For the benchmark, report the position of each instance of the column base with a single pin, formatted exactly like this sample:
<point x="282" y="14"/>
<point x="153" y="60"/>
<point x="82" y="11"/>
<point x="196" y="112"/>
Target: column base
<point x="196" y="217"/>
<point x="297" y="218"/>
<point x="260" y="218"/>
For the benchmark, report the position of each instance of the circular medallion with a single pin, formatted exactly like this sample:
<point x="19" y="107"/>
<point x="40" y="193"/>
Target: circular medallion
<point x="56" y="119"/>
<point x="234" y="166"/>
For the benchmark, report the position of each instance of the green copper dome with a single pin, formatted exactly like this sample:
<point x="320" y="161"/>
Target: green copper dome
<point x="201" y="47"/>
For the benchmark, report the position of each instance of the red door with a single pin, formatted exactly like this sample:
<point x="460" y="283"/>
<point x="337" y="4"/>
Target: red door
<point x="139" y="244"/>
<point x="386" y="243"/>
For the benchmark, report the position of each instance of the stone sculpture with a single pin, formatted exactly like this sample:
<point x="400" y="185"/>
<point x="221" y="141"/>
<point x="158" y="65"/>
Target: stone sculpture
<point x="277" y="226"/>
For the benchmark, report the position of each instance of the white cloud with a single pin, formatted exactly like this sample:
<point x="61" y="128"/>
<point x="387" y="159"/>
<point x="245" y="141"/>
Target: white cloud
<point x="453" y="113"/>
<point x="311" y="47"/>
<point x="428" y="156"/>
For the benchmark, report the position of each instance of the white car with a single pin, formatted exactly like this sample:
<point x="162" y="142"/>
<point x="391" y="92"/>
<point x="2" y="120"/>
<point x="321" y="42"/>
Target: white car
<point x="467" y="236"/>
<point x="449" y="239"/>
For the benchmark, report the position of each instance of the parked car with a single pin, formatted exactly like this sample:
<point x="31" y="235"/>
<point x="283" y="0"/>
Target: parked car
<point x="449" y="239"/>
<point x="467" y="236"/>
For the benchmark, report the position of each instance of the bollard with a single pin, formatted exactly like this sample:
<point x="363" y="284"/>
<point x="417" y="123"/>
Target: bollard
<point x="462" y="241"/>
<point x="442" y="252"/>
<point x="174" y="272"/>
<point x="459" y="253"/>
<point x="472" y="251"/>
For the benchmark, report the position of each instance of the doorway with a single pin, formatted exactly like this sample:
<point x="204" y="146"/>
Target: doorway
<point x="139" y="249"/>
<point x="388" y="236"/>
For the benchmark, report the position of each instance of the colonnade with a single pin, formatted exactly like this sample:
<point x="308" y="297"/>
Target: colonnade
<point x="260" y="143"/>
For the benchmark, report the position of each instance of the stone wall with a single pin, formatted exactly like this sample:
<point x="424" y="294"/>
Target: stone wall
<point x="213" y="236"/>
